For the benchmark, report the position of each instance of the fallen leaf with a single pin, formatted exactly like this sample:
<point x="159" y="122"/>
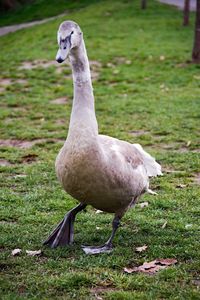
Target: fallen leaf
<point x="151" y="192"/>
<point x="20" y="176"/>
<point x="141" y="249"/>
<point x="33" y="253"/>
<point x="16" y="252"/>
<point x="164" y="225"/>
<point x="143" y="204"/>
<point x="181" y="186"/>
<point x="128" y="270"/>
<point x="153" y="266"/>
<point x="148" y="265"/>
<point x="162" y="57"/>
<point x="166" y="261"/>
<point x="188" y="226"/>
<point x="98" y="211"/>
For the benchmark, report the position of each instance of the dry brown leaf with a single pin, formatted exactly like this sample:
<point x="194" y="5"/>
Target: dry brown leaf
<point x="153" y="266"/>
<point x="166" y="261"/>
<point x="16" y="252"/>
<point x="141" y="249"/>
<point x="33" y="253"/>
<point x="128" y="270"/>
<point x="143" y="204"/>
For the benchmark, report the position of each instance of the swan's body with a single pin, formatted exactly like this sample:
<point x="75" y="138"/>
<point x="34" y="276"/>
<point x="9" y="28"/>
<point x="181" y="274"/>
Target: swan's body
<point x="99" y="170"/>
<point x="102" y="171"/>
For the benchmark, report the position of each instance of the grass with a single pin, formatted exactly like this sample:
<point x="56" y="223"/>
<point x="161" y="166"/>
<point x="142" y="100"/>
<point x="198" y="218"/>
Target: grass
<point x="145" y="93"/>
<point x="40" y="9"/>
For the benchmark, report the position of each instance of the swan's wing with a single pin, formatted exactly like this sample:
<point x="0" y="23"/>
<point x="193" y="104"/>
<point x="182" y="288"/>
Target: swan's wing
<point x="153" y="168"/>
<point x="131" y="153"/>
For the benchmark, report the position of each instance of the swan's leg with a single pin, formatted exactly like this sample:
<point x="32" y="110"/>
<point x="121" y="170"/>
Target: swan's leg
<point x="63" y="234"/>
<point x="107" y="247"/>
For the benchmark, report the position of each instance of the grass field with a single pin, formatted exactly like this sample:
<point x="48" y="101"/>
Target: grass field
<point x="146" y="93"/>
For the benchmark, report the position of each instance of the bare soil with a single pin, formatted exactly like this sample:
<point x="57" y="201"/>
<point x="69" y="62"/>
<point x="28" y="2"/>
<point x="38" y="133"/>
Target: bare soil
<point x="26" y="144"/>
<point x="62" y="100"/>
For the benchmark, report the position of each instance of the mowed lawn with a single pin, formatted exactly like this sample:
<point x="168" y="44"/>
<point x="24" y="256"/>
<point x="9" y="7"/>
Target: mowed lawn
<point x="146" y="92"/>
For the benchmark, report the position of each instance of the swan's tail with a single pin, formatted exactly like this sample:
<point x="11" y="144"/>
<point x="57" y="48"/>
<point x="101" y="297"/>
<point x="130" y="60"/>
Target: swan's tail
<point x="152" y="167"/>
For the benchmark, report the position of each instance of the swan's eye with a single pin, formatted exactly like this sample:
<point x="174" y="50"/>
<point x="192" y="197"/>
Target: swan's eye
<point x="72" y="32"/>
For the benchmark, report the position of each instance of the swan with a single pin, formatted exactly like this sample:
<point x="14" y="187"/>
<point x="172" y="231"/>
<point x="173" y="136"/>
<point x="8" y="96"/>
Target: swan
<point x="95" y="169"/>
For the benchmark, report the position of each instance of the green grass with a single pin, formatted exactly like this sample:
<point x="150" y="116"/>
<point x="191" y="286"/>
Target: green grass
<point x="158" y="96"/>
<point x="40" y="9"/>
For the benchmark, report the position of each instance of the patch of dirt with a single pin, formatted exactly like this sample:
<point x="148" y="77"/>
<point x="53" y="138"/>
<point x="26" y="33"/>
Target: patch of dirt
<point x="196" y="150"/>
<point x="61" y="122"/>
<point x="101" y="290"/>
<point x="95" y="63"/>
<point x="3" y="222"/>
<point x="21" y="81"/>
<point x="94" y="75"/>
<point x="29" y="65"/>
<point x="16" y="143"/>
<point x="4" y="163"/>
<point x="184" y="149"/>
<point x="197" y="178"/>
<point x="2" y="90"/>
<point x="178" y="147"/>
<point x="169" y="170"/>
<point x="29" y="158"/>
<point x="168" y="146"/>
<point x="139" y="132"/>
<point x="27" y="144"/>
<point x="62" y="100"/>
<point x="122" y="60"/>
<point x="22" y="289"/>
<point x="95" y="69"/>
<point x="5" y="81"/>
<point x="11" y="120"/>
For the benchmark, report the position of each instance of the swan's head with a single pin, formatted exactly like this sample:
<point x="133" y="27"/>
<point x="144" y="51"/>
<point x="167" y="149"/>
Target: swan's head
<point x="69" y="37"/>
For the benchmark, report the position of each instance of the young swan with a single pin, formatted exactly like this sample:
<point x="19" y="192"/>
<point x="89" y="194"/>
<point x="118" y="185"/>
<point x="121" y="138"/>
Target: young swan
<point x="99" y="170"/>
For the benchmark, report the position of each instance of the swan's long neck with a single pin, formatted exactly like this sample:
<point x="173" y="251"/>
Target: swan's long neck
<point x="83" y="111"/>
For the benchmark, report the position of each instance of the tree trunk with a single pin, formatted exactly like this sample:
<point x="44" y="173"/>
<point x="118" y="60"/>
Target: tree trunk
<point x="186" y="13"/>
<point x="143" y="4"/>
<point x="196" y="48"/>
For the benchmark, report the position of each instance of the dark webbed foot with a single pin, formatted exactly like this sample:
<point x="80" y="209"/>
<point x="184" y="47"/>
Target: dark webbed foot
<point x="63" y="234"/>
<point x="107" y="247"/>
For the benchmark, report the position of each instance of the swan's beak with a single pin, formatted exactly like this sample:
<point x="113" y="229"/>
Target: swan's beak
<point x="62" y="54"/>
